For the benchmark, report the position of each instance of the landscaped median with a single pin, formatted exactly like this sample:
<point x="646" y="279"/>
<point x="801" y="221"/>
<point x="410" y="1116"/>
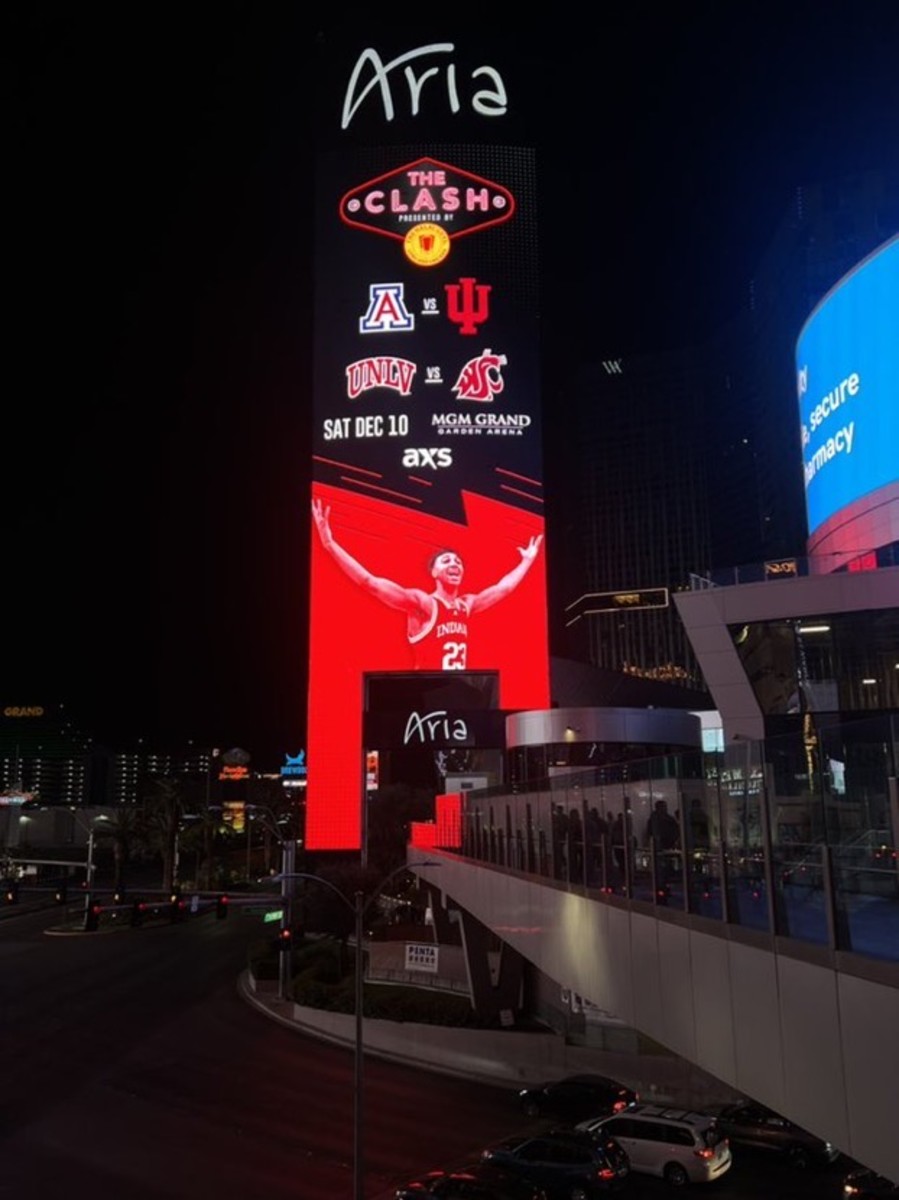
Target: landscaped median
<point x="499" y="1056"/>
<point x="439" y="1031"/>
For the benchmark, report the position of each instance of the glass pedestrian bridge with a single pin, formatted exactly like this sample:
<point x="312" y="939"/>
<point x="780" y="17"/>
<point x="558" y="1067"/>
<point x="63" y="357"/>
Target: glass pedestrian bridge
<point x="794" y="836"/>
<point x="755" y="932"/>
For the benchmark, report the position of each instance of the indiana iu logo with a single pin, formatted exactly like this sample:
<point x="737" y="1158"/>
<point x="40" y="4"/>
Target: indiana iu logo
<point x="387" y="312"/>
<point x="468" y="304"/>
<point x="480" y="378"/>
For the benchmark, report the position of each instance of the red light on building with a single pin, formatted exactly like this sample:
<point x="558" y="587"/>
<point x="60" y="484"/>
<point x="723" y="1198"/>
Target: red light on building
<point x="449" y="821"/>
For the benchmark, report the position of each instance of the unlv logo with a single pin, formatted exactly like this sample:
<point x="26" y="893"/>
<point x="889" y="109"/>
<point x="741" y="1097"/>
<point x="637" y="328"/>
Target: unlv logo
<point x="480" y="378"/>
<point x="384" y="371"/>
<point x="468" y="304"/>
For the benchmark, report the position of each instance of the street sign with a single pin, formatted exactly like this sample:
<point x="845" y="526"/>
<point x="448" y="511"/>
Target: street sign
<point x="272" y="915"/>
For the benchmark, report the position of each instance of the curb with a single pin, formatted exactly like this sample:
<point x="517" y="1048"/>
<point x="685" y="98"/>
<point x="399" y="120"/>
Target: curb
<point x="500" y="1058"/>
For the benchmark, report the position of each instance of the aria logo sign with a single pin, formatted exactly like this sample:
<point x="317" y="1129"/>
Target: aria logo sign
<point x="487" y="101"/>
<point x="424" y="205"/>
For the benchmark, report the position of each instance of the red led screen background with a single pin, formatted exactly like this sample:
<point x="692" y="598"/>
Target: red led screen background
<point x="426" y="437"/>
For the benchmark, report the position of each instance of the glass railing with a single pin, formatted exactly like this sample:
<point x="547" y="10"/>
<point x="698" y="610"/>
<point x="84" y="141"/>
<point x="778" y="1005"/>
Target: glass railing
<point x="793" y="567"/>
<point x="757" y="839"/>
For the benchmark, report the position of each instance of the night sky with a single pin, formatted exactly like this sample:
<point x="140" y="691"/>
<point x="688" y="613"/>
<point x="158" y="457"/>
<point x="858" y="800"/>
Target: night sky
<point x="156" y="416"/>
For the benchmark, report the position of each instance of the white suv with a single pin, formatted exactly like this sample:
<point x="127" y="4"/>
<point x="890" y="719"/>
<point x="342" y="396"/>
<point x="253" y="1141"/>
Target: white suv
<point x="679" y="1146"/>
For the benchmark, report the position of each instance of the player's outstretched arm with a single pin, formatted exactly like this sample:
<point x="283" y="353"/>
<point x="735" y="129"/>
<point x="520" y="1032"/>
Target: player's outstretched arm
<point x="406" y="599"/>
<point x="498" y="591"/>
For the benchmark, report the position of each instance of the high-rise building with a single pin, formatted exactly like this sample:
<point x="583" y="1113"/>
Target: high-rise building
<point x="675" y="460"/>
<point x="43" y="755"/>
<point x="639" y="516"/>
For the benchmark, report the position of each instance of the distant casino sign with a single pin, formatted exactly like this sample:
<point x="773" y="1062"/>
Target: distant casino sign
<point x="294" y="765"/>
<point x="232" y="773"/>
<point x="781" y="568"/>
<point x="27" y="711"/>
<point x="606" y="602"/>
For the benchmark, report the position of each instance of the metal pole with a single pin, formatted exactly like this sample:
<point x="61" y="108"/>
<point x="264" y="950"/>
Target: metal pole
<point x="359" y="906"/>
<point x="287" y="861"/>
<point x="358" y="1168"/>
<point x="90" y="874"/>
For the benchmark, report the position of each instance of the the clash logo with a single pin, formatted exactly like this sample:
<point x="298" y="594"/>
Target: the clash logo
<point x="384" y="372"/>
<point x="450" y="201"/>
<point x="468" y="304"/>
<point x="480" y="379"/>
<point x="386" y="312"/>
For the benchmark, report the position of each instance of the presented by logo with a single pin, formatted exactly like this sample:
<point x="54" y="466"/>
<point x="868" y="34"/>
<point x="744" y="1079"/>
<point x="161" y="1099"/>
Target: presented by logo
<point x="426" y="245"/>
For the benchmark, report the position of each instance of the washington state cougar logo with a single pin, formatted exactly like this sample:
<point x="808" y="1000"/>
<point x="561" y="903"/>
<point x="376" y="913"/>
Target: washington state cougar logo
<point x="480" y="378"/>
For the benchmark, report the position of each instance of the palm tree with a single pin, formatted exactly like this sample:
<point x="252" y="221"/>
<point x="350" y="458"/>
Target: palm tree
<point x="124" y="830"/>
<point x="160" y="820"/>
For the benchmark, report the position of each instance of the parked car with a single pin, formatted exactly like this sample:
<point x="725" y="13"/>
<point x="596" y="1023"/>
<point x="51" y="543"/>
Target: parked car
<point x="863" y="1184"/>
<point x="476" y="1181"/>
<point x="576" y="1097"/>
<point x="566" y="1165"/>
<point x="750" y="1124"/>
<point x="675" y="1144"/>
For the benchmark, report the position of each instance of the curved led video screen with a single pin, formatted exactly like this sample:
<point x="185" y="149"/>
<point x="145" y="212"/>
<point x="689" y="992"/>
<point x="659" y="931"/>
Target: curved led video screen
<point x="427" y="506"/>
<point x="847" y="363"/>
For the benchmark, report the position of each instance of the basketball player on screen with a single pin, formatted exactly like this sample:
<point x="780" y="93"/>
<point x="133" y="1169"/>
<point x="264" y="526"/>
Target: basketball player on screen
<point x="436" y="621"/>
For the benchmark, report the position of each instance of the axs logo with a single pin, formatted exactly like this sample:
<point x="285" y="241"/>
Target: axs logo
<point x="435" y="458"/>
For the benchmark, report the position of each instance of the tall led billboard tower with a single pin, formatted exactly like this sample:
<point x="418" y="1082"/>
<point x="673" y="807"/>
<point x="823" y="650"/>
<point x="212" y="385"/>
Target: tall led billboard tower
<point x="427" y="506"/>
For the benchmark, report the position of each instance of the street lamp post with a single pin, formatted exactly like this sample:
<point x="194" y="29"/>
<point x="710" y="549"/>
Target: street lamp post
<point x="359" y="906"/>
<point x="89" y="865"/>
<point x="90" y="874"/>
<point x="288" y="861"/>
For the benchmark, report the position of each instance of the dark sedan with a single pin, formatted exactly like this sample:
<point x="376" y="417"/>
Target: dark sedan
<point x="753" y="1125"/>
<point x="576" y="1097"/>
<point x="564" y="1164"/>
<point x="862" y="1184"/>
<point x="477" y="1181"/>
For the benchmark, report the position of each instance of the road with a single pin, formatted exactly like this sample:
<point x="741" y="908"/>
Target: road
<point x="132" y="1070"/>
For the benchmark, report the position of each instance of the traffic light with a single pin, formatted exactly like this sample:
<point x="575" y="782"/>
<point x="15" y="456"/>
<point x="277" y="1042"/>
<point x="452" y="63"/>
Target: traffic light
<point x="92" y="917"/>
<point x="285" y="940"/>
<point x="177" y="905"/>
<point x="138" y="908"/>
<point x="119" y="896"/>
<point x="61" y="894"/>
<point x="11" y="893"/>
<point x="221" y="908"/>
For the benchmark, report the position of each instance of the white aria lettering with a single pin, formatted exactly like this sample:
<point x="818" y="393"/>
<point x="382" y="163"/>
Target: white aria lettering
<point x="434" y="726"/>
<point x="487" y="102"/>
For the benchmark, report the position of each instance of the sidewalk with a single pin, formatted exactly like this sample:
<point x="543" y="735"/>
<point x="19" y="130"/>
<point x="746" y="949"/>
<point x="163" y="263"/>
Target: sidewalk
<point x="502" y="1058"/>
